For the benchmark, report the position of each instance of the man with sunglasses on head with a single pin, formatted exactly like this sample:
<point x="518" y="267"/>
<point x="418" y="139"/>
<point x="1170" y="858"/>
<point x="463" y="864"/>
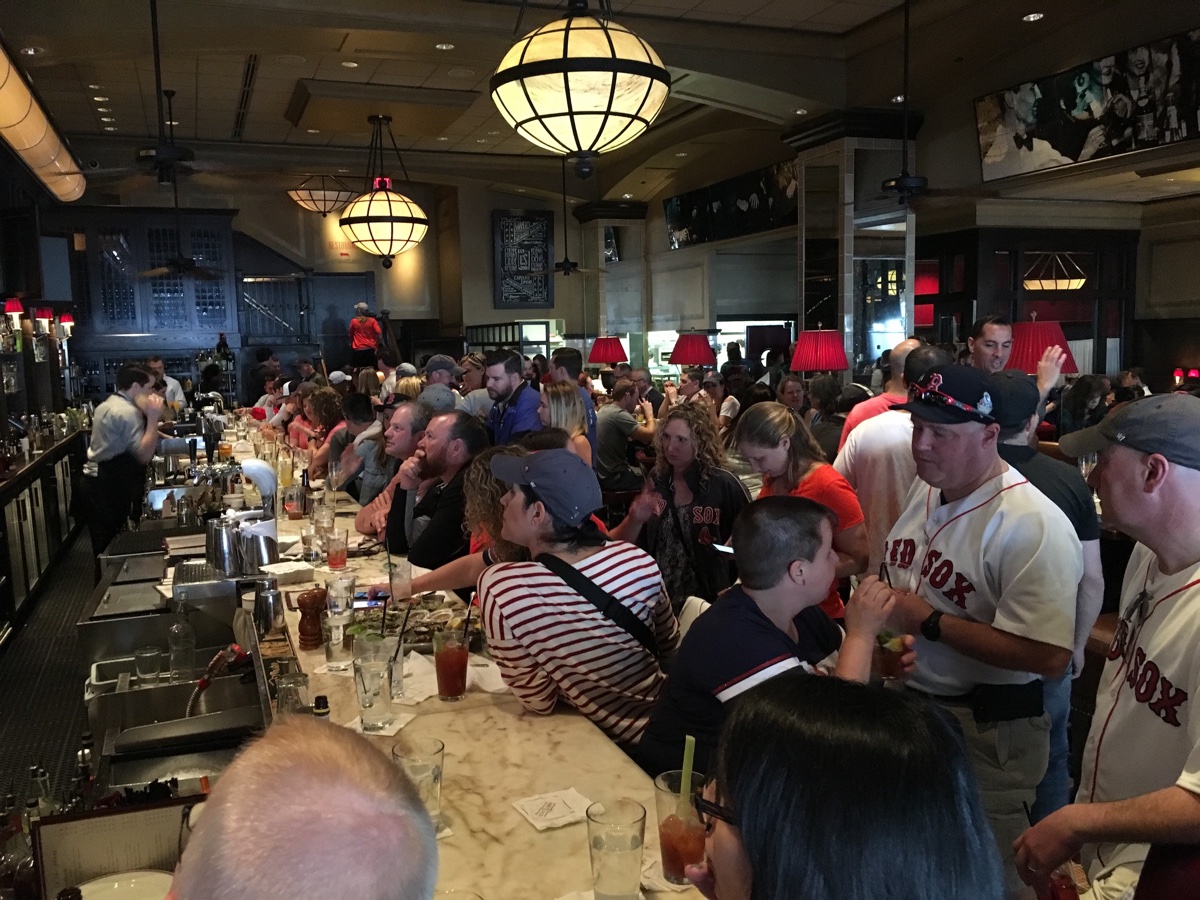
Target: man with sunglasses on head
<point x="1141" y="762"/>
<point x="985" y="570"/>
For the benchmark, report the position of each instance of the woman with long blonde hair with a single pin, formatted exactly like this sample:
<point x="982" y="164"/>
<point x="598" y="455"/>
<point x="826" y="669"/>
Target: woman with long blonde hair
<point x="561" y="406"/>
<point x="690" y="506"/>
<point x="779" y="445"/>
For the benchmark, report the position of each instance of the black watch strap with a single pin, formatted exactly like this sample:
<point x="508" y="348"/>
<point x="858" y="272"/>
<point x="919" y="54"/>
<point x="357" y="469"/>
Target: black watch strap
<point x="931" y="628"/>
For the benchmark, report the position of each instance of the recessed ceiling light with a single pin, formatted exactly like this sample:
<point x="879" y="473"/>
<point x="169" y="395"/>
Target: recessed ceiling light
<point x="461" y="73"/>
<point x="1032" y="17"/>
<point x="32" y="51"/>
<point x="107" y="119"/>
<point x="1170" y="179"/>
<point x="681" y="153"/>
<point x="100" y="99"/>
<point x="343" y="170"/>
<point x="290" y="58"/>
<point x="899" y="98"/>
<point x="444" y="46"/>
<point x="349" y="64"/>
<point x="443" y="138"/>
<point x="171" y="122"/>
<point x="103" y="109"/>
<point x="800" y="111"/>
<point x="520" y="190"/>
<point x="627" y="196"/>
<point x="481" y="140"/>
<point x="110" y="128"/>
<point x="94" y="87"/>
<point x="493" y="132"/>
<point x="313" y="130"/>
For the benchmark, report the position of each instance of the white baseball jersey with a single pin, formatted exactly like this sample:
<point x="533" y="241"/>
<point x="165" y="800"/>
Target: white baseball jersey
<point x="877" y="460"/>
<point x="1143" y="736"/>
<point x="1005" y="555"/>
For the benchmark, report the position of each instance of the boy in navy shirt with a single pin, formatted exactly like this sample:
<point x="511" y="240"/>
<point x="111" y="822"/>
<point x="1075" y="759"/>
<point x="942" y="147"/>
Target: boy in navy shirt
<point x="768" y="623"/>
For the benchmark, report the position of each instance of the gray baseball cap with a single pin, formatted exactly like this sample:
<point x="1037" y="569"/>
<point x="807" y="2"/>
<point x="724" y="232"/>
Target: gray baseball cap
<point x="438" y="397"/>
<point x="564" y="483"/>
<point x="1166" y="424"/>
<point x="442" y="362"/>
<point x="406" y="370"/>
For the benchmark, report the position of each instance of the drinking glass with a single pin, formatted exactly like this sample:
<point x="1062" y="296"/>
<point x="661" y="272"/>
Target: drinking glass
<point x="310" y="541"/>
<point x="616" y="832"/>
<point x="291" y="693"/>
<point x="885" y="663"/>
<point x="339" y="592"/>
<point x="338" y="656"/>
<point x="333" y="476"/>
<point x="373" y="684"/>
<point x="335" y="548"/>
<point x="148" y="663"/>
<point x="680" y="834"/>
<point x="421" y="759"/>
<point x="293" y="501"/>
<point x="450" y="663"/>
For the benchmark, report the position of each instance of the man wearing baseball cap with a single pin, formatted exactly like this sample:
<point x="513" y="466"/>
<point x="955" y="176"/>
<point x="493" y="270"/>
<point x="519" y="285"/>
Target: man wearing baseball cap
<point x="548" y="638"/>
<point x="365" y="335"/>
<point x="985" y="569"/>
<point x="1141" y="762"/>
<point x="442" y="369"/>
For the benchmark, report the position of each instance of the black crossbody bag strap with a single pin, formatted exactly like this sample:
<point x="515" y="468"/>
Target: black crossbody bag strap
<point x="608" y="605"/>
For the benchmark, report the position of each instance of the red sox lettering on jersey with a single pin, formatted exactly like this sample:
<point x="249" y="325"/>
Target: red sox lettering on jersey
<point x="701" y="515"/>
<point x="954" y="585"/>
<point x="1150" y="687"/>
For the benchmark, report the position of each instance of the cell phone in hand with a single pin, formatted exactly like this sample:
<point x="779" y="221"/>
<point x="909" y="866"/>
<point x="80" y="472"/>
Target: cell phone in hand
<point x="723" y="548"/>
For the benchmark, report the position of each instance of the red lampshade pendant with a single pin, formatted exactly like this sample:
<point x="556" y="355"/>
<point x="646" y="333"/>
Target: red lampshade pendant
<point x="1030" y="340"/>
<point x="820" y="351"/>
<point x="693" y="349"/>
<point x="607" y="350"/>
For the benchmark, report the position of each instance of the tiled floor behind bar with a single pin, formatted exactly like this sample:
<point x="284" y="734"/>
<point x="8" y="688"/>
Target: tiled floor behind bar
<point x="41" y="682"/>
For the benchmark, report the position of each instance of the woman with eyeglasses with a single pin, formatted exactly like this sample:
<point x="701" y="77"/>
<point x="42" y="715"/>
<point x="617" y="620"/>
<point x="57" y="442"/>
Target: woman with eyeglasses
<point x="475" y="396"/>
<point x="827" y="789"/>
<point x="779" y="445"/>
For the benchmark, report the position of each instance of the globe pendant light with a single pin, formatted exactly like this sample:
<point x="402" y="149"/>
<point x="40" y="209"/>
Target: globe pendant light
<point x="322" y="193"/>
<point x="382" y="222"/>
<point x="580" y="86"/>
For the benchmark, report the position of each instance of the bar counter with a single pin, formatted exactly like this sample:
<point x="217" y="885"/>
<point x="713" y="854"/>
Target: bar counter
<point x="497" y="753"/>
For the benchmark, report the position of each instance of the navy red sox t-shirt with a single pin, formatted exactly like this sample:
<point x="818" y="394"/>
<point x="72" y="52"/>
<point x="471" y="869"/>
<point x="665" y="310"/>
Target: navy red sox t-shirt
<point x="729" y="649"/>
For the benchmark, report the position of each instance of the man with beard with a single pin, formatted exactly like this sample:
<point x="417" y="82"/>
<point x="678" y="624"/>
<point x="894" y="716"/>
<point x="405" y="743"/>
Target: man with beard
<point x="516" y="409"/>
<point x="435" y="473"/>
<point x="400" y="439"/>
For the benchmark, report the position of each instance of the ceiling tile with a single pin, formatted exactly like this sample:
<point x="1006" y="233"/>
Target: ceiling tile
<point x="846" y="15"/>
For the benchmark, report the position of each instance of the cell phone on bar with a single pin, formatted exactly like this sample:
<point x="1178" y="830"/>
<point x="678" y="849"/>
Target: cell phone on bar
<point x="362" y="601"/>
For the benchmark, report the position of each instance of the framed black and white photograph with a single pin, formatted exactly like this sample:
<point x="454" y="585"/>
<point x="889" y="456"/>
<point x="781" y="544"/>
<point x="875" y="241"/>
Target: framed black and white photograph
<point x="1137" y="99"/>
<point x="523" y="242"/>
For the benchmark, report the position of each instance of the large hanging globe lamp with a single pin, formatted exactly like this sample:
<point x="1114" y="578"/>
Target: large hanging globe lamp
<point x="580" y="86"/>
<point x="322" y="194"/>
<point x="381" y="221"/>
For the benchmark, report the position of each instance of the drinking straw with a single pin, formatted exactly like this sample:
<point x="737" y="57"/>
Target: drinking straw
<point x="466" y="623"/>
<point x="391" y="586"/>
<point x="685" y="778"/>
<point x="400" y="636"/>
<point x="1028" y="813"/>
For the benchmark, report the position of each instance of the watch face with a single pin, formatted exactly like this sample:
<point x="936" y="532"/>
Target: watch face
<point x="931" y="628"/>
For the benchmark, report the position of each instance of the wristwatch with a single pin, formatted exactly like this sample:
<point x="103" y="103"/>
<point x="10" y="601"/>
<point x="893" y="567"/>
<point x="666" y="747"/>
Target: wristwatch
<point x="931" y="628"/>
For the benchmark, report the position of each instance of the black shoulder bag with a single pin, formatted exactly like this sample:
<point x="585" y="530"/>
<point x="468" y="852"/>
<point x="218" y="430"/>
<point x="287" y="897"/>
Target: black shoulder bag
<point x="608" y="605"/>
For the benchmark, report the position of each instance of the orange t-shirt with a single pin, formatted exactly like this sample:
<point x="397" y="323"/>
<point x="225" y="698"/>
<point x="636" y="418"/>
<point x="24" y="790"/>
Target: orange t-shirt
<point x="826" y="486"/>
<point x="364" y="334"/>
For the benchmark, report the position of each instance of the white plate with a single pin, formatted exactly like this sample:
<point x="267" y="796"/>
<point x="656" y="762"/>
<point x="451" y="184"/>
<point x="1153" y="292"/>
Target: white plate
<point x="144" y="885"/>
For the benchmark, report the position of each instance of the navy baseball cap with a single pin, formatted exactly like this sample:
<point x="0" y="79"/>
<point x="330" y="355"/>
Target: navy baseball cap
<point x="564" y="483"/>
<point x="442" y="363"/>
<point x="953" y="395"/>
<point x="1166" y="424"/>
<point x="1016" y="397"/>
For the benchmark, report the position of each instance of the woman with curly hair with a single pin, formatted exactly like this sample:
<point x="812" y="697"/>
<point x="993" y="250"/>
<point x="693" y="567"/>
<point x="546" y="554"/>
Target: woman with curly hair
<point x="690" y="506"/>
<point x="323" y="409"/>
<point x="779" y="445"/>
<point x="561" y="406"/>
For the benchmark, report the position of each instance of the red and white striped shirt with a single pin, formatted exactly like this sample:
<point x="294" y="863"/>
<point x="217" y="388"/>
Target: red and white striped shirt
<point x="549" y="641"/>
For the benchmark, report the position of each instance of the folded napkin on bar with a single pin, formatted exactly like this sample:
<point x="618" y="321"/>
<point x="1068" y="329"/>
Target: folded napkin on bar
<point x="323" y="669"/>
<point x="399" y="722"/>
<point x="553" y="810"/>
<point x="652" y="876"/>
<point x="420" y="678"/>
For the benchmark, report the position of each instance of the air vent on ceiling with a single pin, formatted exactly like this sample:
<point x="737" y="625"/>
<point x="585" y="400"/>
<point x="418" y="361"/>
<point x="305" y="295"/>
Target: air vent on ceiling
<point x="243" y="108"/>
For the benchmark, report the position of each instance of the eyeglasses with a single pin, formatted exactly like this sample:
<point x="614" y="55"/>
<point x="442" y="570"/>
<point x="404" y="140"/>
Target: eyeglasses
<point x="933" y="395"/>
<point x="707" y="810"/>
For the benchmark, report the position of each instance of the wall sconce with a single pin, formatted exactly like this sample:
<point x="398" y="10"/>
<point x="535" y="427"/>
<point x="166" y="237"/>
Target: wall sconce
<point x="43" y="315"/>
<point x="66" y="324"/>
<point x="1178" y="373"/>
<point x="14" y="310"/>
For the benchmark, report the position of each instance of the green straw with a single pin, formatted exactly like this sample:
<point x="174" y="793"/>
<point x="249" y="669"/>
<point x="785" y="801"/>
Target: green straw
<point x="685" y="779"/>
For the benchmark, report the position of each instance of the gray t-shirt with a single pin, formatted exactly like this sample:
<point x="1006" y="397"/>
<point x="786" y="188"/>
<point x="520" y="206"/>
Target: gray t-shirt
<point x="117" y="428"/>
<point x="614" y="425"/>
<point x="477" y="403"/>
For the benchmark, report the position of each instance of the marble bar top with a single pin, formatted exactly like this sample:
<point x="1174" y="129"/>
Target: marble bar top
<point x="497" y="753"/>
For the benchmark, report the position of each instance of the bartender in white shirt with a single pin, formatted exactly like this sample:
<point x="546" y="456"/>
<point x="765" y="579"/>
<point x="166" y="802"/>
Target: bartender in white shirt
<point x="158" y="369"/>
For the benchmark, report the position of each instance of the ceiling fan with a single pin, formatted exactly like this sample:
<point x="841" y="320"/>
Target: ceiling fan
<point x="565" y="266"/>
<point x="909" y="189"/>
<point x="167" y="164"/>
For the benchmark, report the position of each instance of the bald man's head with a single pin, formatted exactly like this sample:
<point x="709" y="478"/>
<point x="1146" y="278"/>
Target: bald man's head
<point x="899" y="355"/>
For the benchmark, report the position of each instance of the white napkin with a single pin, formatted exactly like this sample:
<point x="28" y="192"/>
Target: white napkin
<point x="553" y="810"/>
<point x="399" y="722"/>
<point x="652" y="876"/>
<point x="484" y="674"/>
<point x="420" y="680"/>
<point x="323" y="669"/>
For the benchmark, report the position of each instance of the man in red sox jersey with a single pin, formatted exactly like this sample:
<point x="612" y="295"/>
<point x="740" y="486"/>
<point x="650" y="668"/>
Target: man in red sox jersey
<point x="986" y="569"/>
<point x="1141" y="762"/>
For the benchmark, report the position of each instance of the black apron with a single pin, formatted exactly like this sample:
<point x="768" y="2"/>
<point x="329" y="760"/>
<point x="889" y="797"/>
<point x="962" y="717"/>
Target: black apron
<point x="114" y="496"/>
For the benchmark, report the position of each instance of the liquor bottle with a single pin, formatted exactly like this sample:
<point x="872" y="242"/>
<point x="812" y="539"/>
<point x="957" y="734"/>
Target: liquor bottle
<point x="181" y="640"/>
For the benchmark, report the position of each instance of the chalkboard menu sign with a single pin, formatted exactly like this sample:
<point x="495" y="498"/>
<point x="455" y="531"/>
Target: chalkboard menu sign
<point x="524" y="254"/>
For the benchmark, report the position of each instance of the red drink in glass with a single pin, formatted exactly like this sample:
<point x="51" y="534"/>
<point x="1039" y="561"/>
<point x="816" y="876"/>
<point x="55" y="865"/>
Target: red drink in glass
<point x="682" y="843"/>
<point x="450" y="662"/>
<point x="337" y="558"/>
<point x="1062" y="887"/>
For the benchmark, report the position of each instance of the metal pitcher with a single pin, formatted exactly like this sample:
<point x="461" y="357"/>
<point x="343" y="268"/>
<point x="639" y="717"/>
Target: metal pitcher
<point x="258" y="550"/>
<point x="268" y="612"/>
<point x="221" y="547"/>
